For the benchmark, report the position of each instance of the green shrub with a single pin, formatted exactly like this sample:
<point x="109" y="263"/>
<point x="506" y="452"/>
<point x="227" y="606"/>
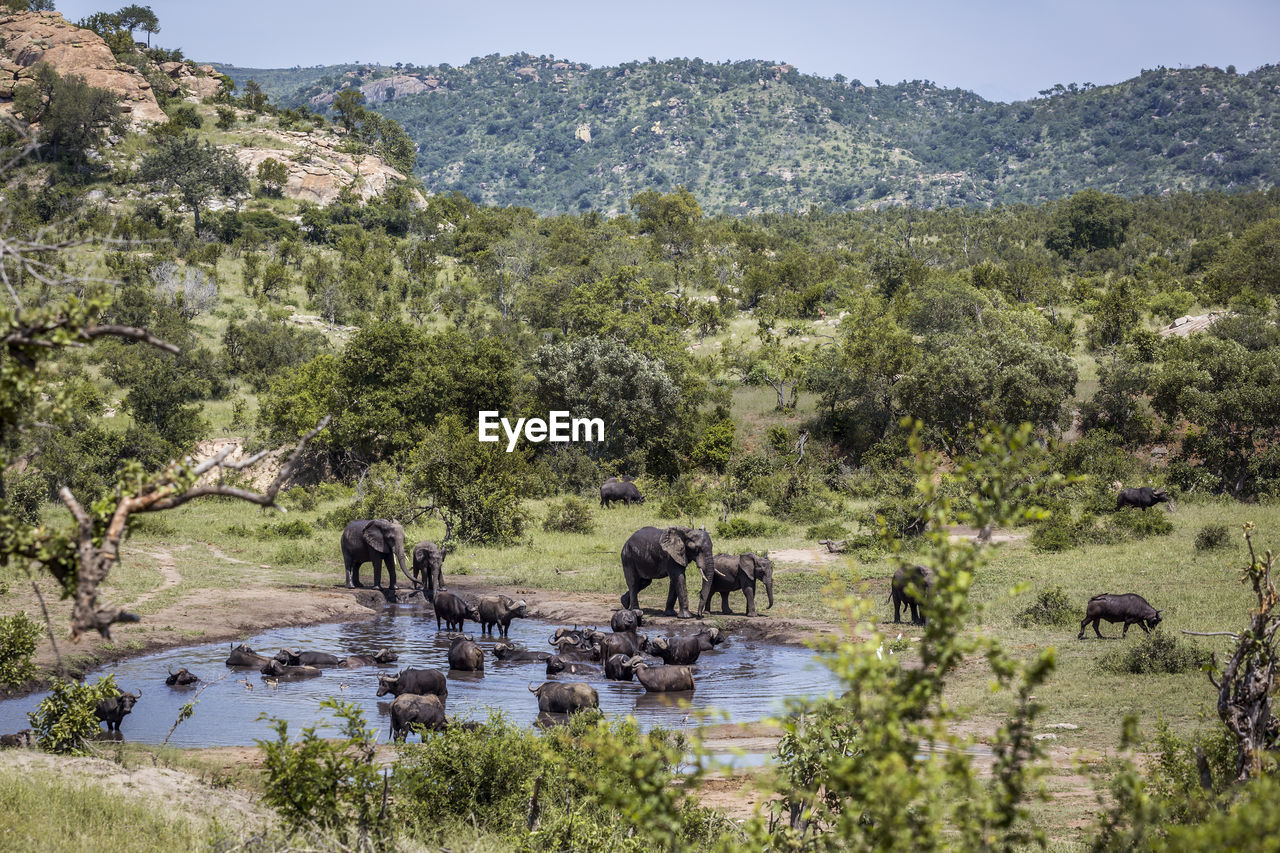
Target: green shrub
<point x="1051" y="607"/>
<point x="1212" y="536"/>
<point x="572" y="515"/>
<point x="741" y="528"/>
<point x="295" y="528"/>
<point x="1142" y="523"/>
<point x="304" y="554"/>
<point x="64" y="721"/>
<point x="829" y="530"/>
<point x="1054" y="536"/>
<point x="18" y="636"/>
<point x="685" y="499"/>
<point x="1157" y="652"/>
<point x="333" y="785"/>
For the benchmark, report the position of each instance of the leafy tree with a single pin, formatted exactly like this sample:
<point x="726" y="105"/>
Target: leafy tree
<point x="226" y="118"/>
<point x="349" y="105"/>
<point x="262" y="347"/>
<point x="74" y="117"/>
<point x="198" y="171"/>
<point x="18" y="635"/>
<point x="135" y="17"/>
<point x="1088" y="221"/>
<point x="476" y="488"/>
<point x="253" y="99"/>
<point x="671" y="220"/>
<point x="1230" y="399"/>
<point x="273" y="175"/>
<point x="1251" y="262"/>
<point x="639" y="402"/>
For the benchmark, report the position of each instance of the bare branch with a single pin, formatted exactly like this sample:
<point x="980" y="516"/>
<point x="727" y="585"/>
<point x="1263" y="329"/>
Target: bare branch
<point x="1212" y="634"/>
<point x="166" y="491"/>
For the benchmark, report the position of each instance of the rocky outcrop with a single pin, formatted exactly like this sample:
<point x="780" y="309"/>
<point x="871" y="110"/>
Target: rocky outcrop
<point x="198" y="82"/>
<point x="386" y="89"/>
<point x="318" y="172"/>
<point x="28" y="38"/>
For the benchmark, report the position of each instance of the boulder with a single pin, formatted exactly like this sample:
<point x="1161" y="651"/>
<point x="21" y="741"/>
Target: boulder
<point x="320" y="172"/>
<point x="27" y="38"/>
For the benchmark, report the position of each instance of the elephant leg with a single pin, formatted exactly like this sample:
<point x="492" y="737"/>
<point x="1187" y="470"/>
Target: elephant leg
<point x="682" y="592"/>
<point x="897" y="610"/>
<point x="377" y="571"/>
<point x="724" y="603"/>
<point x="704" y="596"/>
<point x="346" y="564"/>
<point x="750" y="592"/>
<point x="672" y="595"/>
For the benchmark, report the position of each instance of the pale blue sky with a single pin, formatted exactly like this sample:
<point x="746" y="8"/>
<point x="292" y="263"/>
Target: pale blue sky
<point x="1002" y="49"/>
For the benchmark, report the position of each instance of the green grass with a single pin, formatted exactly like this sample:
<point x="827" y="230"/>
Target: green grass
<point x="44" y="812"/>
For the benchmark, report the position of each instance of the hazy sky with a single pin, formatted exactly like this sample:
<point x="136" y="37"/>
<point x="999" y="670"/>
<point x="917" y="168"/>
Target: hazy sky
<point x="1002" y="49"/>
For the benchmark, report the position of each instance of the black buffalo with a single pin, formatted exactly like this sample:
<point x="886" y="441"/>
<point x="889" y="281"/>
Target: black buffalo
<point x="453" y="610"/>
<point x="181" y="678"/>
<point x="1143" y="498"/>
<point x="418" y="682"/>
<point x="614" y="491"/>
<point x="292" y="657"/>
<point x="686" y="650"/>
<point x="412" y="710"/>
<point x="1129" y="608"/>
<point x="242" y="655"/>
<point x="111" y="711"/>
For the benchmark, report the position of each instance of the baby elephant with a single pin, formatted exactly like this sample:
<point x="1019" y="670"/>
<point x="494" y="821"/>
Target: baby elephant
<point x="1129" y="608"/>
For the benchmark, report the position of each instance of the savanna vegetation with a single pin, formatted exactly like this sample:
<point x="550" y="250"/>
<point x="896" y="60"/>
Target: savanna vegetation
<point x="880" y="379"/>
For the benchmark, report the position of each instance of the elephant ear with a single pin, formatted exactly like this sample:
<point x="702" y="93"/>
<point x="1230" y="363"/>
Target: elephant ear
<point x="673" y="544"/>
<point x="747" y="565"/>
<point x="375" y="537"/>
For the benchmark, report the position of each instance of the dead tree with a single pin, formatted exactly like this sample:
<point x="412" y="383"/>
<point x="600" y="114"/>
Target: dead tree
<point x="1244" y="684"/>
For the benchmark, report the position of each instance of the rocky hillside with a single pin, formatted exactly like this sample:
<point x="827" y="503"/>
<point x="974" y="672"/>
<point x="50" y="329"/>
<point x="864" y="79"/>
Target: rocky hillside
<point x="755" y="136"/>
<point x="29" y="38"/>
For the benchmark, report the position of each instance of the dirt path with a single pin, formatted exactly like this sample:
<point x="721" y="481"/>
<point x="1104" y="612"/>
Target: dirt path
<point x="167" y="567"/>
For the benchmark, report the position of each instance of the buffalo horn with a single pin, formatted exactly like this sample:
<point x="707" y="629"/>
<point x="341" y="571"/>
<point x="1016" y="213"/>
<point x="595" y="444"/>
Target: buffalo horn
<point x="532" y="689"/>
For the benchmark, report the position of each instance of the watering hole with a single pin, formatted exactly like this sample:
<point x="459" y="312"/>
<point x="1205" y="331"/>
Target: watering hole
<point x="744" y="679"/>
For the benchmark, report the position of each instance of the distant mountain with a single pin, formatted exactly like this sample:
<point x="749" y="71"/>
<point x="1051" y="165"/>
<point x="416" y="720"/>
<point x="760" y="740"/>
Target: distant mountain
<point x="760" y="136"/>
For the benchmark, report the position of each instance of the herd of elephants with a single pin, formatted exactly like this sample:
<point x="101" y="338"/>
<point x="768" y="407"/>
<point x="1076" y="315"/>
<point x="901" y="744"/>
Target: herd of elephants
<point x="661" y="665"/>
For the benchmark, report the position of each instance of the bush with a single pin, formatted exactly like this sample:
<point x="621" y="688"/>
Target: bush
<point x="293" y="529"/>
<point x="741" y="528"/>
<point x="18" y="635"/>
<point x="1051" y="607"/>
<point x="572" y="515"/>
<point x="65" y="720"/>
<point x="830" y="530"/>
<point x="685" y="500"/>
<point x="1212" y="536"/>
<point x="1157" y="652"/>
<point x="1142" y="523"/>
<point x="330" y="785"/>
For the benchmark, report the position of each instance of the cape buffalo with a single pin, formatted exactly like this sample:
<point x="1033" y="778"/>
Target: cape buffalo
<point x="465" y="655"/>
<point x="276" y="669"/>
<point x="900" y="593"/>
<point x="181" y="678"/>
<point x="557" y="664"/>
<point x="1143" y="498"/>
<point x="662" y="679"/>
<point x="418" y="682"/>
<point x="626" y="620"/>
<point x="111" y="711"/>
<point x="242" y="655"/>
<point x="618" y="668"/>
<point x="565" y="698"/>
<point x="289" y="657"/>
<point x="499" y="610"/>
<point x="378" y="658"/>
<point x="611" y="493"/>
<point x="1129" y="608"/>
<point x="454" y="610"/>
<point x="514" y="654"/>
<point x="409" y="709"/>
<point x="686" y="650"/>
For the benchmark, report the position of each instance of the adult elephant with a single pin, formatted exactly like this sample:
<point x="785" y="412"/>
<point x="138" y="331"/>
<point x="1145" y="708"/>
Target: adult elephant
<point x="373" y="541"/>
<point x="654" y="552"/>
<point x="740" y="571"/>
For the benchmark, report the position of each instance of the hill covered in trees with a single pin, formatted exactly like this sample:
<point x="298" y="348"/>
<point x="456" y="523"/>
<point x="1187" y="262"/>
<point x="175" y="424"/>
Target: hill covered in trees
<point x="749" y="137"/>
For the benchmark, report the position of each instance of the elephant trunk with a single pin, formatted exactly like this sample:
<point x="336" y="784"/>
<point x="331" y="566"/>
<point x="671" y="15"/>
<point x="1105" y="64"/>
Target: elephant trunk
<point x="768" y="588"/>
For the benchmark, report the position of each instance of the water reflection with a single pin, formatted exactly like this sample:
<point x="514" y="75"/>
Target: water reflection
<point x="746" y="679"/>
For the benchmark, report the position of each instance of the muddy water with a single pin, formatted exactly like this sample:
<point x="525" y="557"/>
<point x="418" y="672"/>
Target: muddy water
<point x="745" y="679"/>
